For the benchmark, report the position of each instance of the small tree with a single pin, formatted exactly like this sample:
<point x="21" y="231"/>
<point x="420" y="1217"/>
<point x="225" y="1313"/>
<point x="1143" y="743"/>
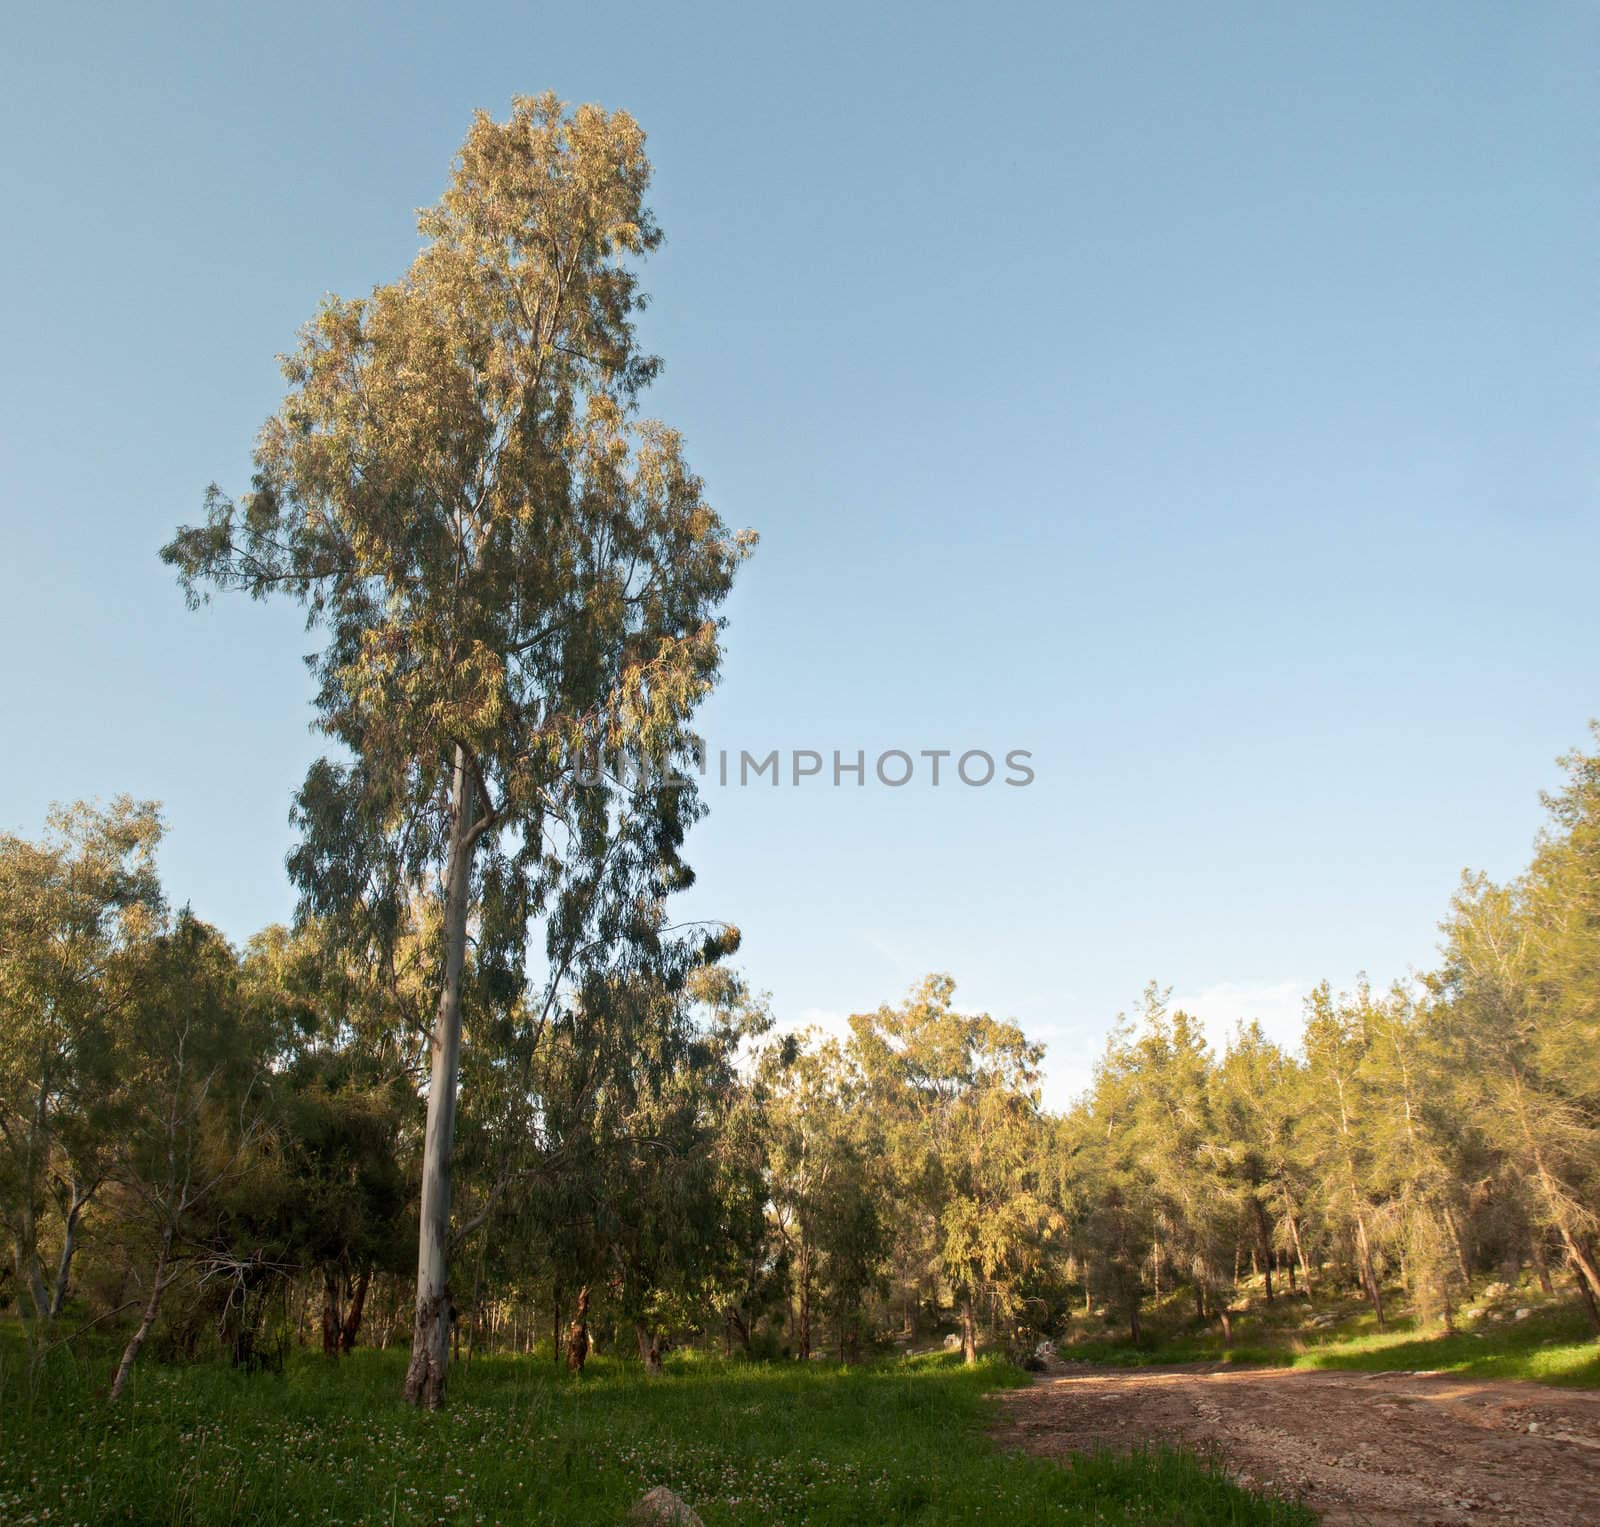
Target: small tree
<point x="511" y="569"/>
<point x="74" y="908"/>
<point x="960" y="1093"/>
<point x="192" y="1100"/>
<point x="1338" y="1127"/>
<point x="1256" y="1091"/>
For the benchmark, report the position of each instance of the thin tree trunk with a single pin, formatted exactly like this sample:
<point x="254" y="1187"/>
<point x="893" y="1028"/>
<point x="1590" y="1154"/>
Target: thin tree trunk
<point x="351" y="1328"/>
<point x="69" y="1244"/>
<point x="649" y="1347"/>
<point x="1582" y="1264"/>
<point x="1300" y="1254"/>
<point x="1264" y="1237"/>
<point x="477" y="1294"/>
<point x="969" y="1334"/>
<point x="1541" y="1263"/>
<point x="130" y="1353"/>
<point x="36" y="1160"/>
<point x="1589" y="1303"/>
<point x="332" y="1316"/>
<point x="1458" y="1239"/>
<point x="430" y="1339"/>
<point x="1368" y="1276"/>
<point x="29" y="1270"/>
<point x="391" y="1322"/>
<point x="578" y="1335"/>
<point x="803" y="1346"/>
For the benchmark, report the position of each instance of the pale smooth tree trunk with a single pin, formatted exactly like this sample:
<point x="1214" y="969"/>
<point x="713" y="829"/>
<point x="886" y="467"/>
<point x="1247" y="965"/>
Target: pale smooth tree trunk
<point x="430" y="1338"/>
<point x="69" y="1244"/>
<point x="158" y="1284"/>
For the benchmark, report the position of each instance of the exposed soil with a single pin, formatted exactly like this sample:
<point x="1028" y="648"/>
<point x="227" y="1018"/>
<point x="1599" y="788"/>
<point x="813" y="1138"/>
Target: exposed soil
<point x="1355" y="1447"/>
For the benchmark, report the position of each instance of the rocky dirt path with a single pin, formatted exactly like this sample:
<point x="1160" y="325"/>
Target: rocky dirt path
<point x="1356" y="1447"/>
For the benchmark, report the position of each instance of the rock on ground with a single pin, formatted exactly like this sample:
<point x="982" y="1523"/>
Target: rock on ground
<point x="661" y="1508"/>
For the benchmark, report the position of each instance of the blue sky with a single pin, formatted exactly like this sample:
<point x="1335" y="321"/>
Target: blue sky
<point x="1200" y="397"/>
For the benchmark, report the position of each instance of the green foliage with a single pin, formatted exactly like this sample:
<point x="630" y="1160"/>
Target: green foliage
<point x="639" y="1148"/>
<point x="515" y="577"/>
<point x="77" y="912"/>
<point x="1520" y="1015"/>
<point x="958" y="1094"/>
<point x="510" y="568"/>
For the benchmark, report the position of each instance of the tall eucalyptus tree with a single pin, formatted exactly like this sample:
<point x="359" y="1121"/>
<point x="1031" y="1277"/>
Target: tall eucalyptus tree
<point x="513" y="571"/>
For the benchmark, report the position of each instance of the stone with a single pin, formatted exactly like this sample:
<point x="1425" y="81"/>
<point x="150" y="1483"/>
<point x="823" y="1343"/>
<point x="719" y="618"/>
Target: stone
<point x="1522" y="1314"/>
<point x="661" y="1508"/>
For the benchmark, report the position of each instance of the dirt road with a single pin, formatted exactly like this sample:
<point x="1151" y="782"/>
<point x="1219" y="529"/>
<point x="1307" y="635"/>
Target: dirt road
<point x="1356" y="1447"/>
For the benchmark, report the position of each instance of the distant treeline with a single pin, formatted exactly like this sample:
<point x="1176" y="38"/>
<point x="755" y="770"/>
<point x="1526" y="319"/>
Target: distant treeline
<point x="220" y="1150"/>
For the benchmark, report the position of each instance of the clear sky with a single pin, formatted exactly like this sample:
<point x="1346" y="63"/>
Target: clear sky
<point x="1200" y="396"/>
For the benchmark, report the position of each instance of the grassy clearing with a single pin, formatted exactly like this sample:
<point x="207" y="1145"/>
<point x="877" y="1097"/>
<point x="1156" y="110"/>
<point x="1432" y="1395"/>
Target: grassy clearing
<point x="1552" y="1346"/>
<point x="895" y="1442"/>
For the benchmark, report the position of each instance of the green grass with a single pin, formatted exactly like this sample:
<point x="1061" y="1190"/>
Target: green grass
<point x="1549" y="1348"/>
<point x="1552" y="1346"/>
<point x="897" y="1442"/>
